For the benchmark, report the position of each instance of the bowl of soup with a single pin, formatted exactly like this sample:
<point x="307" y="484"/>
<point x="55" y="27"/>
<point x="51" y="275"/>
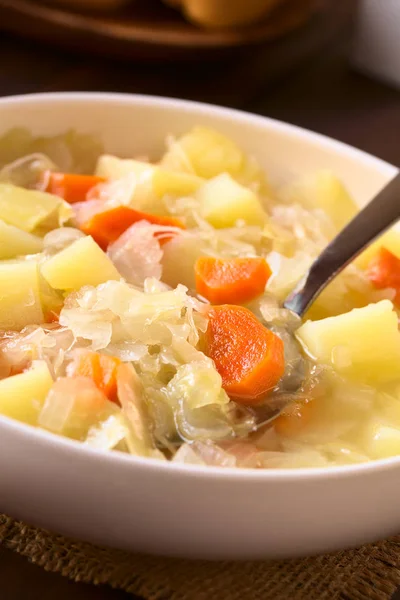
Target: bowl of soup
<point x="154" y="393"/>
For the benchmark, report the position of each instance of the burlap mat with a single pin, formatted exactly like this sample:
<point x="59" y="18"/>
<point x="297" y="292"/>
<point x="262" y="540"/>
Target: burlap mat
<point x="371" y="572"/>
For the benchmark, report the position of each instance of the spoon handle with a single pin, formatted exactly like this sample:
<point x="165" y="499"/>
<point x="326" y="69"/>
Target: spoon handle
<point x="368" y="224"/>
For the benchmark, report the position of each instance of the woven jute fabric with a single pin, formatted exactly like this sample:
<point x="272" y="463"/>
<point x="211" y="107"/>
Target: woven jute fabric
<point x="369" y="573"/>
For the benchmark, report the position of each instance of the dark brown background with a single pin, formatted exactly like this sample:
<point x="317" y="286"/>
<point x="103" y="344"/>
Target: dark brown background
<point x="321" y="92"/>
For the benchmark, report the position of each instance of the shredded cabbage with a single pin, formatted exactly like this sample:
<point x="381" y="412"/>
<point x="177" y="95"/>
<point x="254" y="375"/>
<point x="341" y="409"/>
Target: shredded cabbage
<point x="159" y="330"/>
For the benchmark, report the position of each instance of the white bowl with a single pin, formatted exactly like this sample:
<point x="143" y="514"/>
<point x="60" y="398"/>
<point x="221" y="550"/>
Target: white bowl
<point x="149" y="506"/>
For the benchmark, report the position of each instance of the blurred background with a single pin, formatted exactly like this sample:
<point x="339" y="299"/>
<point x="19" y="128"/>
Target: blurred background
<point x="322" y="64"/>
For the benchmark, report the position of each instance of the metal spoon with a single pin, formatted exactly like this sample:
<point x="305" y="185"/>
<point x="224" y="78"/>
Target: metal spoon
<point x="382" y="212"/>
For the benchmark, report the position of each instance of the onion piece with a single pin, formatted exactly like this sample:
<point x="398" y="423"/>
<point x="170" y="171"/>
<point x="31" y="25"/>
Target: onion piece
<point x="28" y="170"/>
<point x="137" y="253"/>
<point x="131" y="396"/>
<point x="58" y="239"/>
<point x="84" y="211"/>
<point x="72" y="406"/>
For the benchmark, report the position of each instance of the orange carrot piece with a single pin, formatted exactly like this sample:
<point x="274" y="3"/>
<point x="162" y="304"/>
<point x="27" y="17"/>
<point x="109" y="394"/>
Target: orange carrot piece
<point x="383" y="271"/>
<point x="231" y="280"/>
<point x="247" y="355"/>
<point x="294" y="419"/>
<point x="102" y="369"/>
<point x="105" y="227"/>
<point x="71" y="187"/>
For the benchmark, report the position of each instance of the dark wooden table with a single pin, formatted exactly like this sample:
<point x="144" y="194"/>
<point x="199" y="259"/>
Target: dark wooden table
<point x="323" y="93"/>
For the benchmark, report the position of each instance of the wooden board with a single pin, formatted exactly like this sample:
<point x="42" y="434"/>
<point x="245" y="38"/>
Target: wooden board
<point x="146" y="30"/>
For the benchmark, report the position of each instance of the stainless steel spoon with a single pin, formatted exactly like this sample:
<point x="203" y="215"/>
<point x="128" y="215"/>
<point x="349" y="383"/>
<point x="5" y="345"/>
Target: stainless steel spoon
<point x="382" y="212"/>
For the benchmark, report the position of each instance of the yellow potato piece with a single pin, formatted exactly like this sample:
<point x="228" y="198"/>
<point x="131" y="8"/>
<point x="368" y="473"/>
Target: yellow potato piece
<point x="81" y="263"/>
<point x="28" y="209"/>
<point x="22" y="396"/>
<point x="363" y="343"/>
<point x="380" y="440"/>
<point x="389" y="240"/>
<point x="325" y="191"/>
<point x="15" y="242"/>
<point x="20" y="303"/>
<point x="207" y="153"/>
<point x="223" y="202"/>
<point x="111" y="167"/>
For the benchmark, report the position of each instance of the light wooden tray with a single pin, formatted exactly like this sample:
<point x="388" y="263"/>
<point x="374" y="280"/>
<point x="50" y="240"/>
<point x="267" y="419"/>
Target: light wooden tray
<point x="147" y="30"/>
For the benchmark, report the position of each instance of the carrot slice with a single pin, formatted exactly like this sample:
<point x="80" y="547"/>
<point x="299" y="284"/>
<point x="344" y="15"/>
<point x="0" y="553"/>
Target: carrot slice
<point x="102" y="369"/>
<point x="71" y="187"/>
<point x="105" y="227"/>
<point x="231" y="280"/>
<point x="383" y="271"/>
<point x="247" y="355"/>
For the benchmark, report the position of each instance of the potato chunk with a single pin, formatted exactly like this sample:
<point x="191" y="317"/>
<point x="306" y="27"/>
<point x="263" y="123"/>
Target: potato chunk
<point x="380" y="440"/>
<point x="15" y="242"/>
<point x="223" y="202"/>
<point x="207" y="153"/>
<point x="81" y="263"/>
<point x="28" y="209"/>
<point x="363" y="343"/>
<point x="325" y="191"/>
<point x="20" y="303"/>
<point x="389" y="240"/>
<point x="22" y="396"/>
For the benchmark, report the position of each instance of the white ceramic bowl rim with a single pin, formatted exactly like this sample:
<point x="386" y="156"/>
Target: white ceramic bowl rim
<point x="54" y="441"/>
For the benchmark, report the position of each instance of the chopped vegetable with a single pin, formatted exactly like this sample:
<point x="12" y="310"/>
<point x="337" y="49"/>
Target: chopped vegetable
<point x="137" y="252"/>
<point x="247" y="355"/>
<point x="207" y="153"/>
<point x="143" y="185"/>
<point x="380" y="440"/>
<point x="224" y="202"/>
<point x="131" y="396"/>
<point x="29" y="209"/>
<point x="231" y="280"/>
<point x="105" y="227"/>
<point x="100" y="368"/>
<point x="363" y="343"/>
<point x="20" y="298"/>
<point x="16" y="242"/>
<point x="384" y="271"/>
<point x="22" y="396"/>
<point x="73" y="406"/>
<point x="184" y="250"/>
<point x="108" y="434"/>
<point x="69" y="186"/>
<point x="389" y="240"/>
<point x="81" y="263"/>
<point x="111" y="167"/>
<point x="324" y="191"/>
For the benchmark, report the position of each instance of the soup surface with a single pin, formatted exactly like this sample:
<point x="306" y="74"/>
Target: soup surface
<point x="141" y="307"/>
